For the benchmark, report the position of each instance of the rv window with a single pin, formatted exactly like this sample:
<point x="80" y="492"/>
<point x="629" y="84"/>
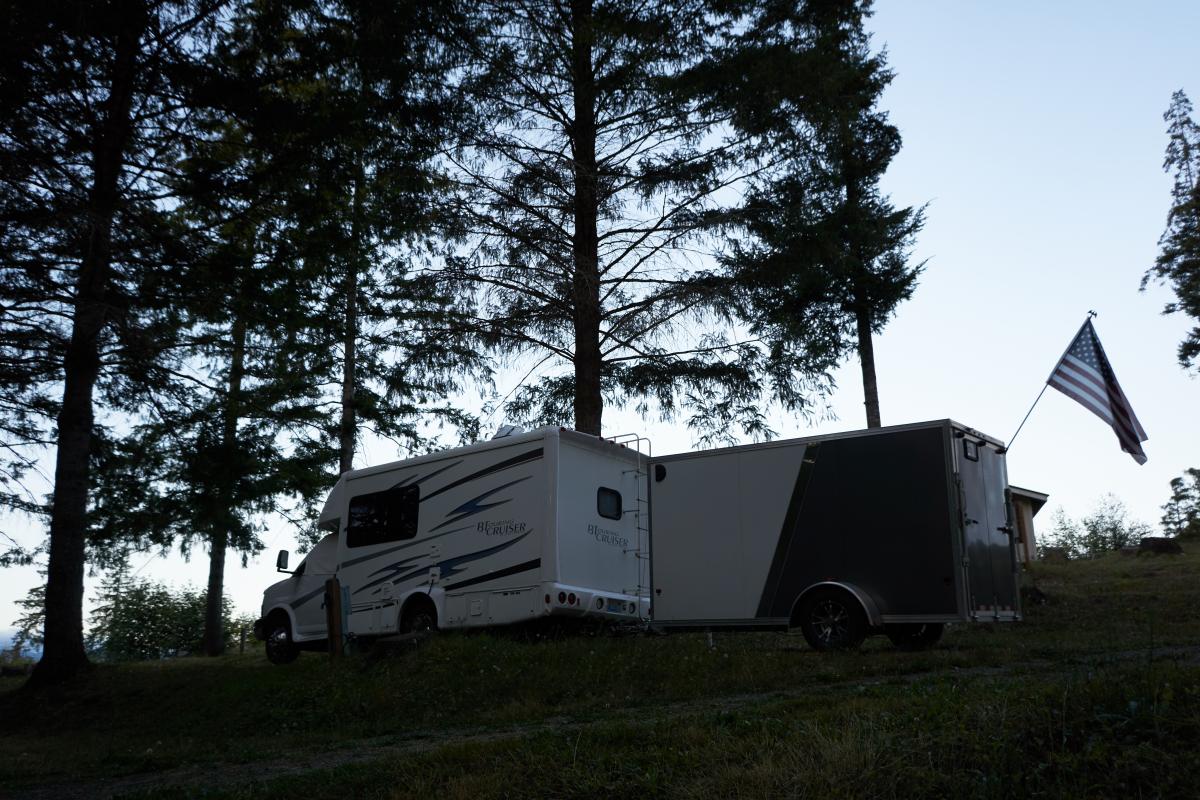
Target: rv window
<point x="386" y="516"/>
<point x="608" y="503"/>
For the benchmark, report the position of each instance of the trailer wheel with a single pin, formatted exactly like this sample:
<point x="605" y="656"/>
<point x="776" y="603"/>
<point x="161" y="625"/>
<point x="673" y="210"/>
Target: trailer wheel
<point x="280" y="647"/>
<point x="831" y="619"/>
<point x="419" y="616"/>
<point x="914" y="636"/>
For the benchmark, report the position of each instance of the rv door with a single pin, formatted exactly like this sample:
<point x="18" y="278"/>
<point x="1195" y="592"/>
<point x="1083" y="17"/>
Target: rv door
<point x="987" y="529"/>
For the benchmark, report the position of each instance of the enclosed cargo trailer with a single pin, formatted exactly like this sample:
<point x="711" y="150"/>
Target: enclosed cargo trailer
<point x="896" y="530"/>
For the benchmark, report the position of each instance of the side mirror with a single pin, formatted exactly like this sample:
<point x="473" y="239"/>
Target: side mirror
<point x="281" y="562"/>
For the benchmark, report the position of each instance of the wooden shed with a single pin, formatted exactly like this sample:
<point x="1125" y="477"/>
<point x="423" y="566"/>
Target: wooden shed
<point x="1026" y="504"/>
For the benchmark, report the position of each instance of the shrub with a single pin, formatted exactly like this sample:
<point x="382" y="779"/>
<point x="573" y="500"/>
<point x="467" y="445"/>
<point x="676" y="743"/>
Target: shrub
<point x="1104" y="530"/>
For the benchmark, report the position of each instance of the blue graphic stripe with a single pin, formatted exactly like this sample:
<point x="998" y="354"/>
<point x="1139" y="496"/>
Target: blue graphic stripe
<point x="473" y="506"/>
<point x="419" y="481"/>
<point x="404" y="546"/>
<point x="448" y="567"/>
<point x="500" y="573"/>
<point x="299" y="601"/>
<point x="531" y="455"/>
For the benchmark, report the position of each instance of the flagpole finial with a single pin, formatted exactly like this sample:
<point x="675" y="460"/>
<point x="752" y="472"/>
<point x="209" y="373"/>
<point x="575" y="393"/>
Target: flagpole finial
<point x="1092" y="314"/>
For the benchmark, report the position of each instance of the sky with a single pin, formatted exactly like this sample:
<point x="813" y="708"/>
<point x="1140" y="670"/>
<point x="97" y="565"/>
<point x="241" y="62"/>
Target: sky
<point x="1033" y="132"/>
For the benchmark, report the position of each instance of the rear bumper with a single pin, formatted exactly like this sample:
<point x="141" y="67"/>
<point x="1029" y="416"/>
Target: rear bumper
<point x="593" y="603"/>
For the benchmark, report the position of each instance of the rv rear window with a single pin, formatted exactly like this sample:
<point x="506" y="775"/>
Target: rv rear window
<point x="387" y="516"/>
<point x="608" y="503"/>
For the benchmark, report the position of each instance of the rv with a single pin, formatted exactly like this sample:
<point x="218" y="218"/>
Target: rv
<point x="895" y="530"/>
<point x="535" y="524"/>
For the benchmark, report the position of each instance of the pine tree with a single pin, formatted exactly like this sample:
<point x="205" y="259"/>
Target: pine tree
<point x="824" y="261"/>
<point x="1178" y="262"/>
<point x="1181" y="514"/>
<point x="591" y="176"/>
<point x="91" y="121"/>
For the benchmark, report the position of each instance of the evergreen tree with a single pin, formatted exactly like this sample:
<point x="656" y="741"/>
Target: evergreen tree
<point x="1181" y="514"/>
<point x="91" y="121"/>
<point x="592" y="173"/>
<point x="1178" y="262"/>
<point x="824" y="262"/>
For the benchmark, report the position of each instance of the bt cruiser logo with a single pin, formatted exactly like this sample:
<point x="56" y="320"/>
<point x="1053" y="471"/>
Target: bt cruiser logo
<point x="503" y="527"/>
<point x="605" y="536"/>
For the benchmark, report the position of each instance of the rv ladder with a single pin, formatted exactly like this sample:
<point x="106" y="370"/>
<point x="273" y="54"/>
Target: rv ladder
<point x="641" y="509"/>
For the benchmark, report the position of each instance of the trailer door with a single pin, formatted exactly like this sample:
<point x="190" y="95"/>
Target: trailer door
<point x="987" y="530"/>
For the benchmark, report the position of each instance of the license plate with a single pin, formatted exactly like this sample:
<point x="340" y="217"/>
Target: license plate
<point x="616" y="607"/>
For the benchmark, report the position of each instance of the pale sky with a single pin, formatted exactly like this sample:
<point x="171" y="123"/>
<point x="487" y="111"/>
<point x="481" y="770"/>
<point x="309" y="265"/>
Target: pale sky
<point x="1034" y="131"/>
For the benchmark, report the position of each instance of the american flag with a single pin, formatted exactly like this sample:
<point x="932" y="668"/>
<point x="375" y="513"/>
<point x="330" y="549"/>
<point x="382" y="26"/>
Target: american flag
<point x="1085" y="375"/>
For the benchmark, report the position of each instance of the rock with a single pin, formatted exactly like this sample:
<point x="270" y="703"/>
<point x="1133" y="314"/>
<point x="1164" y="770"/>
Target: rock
<point x="1160" y="545"/>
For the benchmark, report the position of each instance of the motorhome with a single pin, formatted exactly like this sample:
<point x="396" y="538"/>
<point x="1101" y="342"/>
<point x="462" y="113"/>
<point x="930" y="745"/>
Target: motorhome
<point x="895" y="530"/>
<point x="544" y="523"/>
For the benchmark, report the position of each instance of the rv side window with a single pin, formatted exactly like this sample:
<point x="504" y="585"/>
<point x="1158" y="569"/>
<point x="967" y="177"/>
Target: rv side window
<point x="608" y="503"/>
<point x="387" y="516"/>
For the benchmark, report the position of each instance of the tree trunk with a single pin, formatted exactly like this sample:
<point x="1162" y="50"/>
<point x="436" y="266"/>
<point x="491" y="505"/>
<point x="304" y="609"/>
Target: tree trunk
<point x="866" y="358"/>
<point x="349" y="422"/>
<point x="214" y="618"/>
<point x="589" y="402"/>
<point x="63" y="655"/>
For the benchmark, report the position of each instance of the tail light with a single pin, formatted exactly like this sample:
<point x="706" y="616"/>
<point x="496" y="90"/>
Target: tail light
<point x="547" y="599"/>
<point x="599" y="602"/>
<point x="562" y="597"/>
<point x="571" y="598"/>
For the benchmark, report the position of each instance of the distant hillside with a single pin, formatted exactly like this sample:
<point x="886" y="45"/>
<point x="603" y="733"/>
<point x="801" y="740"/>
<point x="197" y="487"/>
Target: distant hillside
<point x="6" y="638"/>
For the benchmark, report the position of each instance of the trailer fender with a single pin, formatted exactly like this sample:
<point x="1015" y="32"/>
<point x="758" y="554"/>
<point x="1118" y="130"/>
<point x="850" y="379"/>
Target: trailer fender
<point x="868" y="605"/>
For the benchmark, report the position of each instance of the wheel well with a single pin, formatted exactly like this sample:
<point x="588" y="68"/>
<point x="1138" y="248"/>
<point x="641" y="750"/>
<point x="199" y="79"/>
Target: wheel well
<point x="278" y="616"/>
<point x="843" y="589"/>
<point x="419" y="600"/>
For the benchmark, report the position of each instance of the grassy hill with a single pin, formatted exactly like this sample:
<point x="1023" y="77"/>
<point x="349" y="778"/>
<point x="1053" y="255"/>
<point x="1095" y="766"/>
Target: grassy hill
<point x="1096" y="694"/>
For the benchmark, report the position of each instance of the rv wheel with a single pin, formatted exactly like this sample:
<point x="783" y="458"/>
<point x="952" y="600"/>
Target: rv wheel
<point x="280" y="647"/>
<point x="831" y="619"/>
<point x="419" y="617"/>
<point x="914" y="636"/>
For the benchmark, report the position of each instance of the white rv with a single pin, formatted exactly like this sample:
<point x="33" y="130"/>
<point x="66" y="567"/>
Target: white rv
<point x="545" y="523"/>
<point x="895" y="530"/>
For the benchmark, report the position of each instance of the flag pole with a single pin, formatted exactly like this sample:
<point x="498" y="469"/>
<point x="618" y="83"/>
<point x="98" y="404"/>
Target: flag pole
<point x="1008" y="446"/>
<point x="1047" y="383"/>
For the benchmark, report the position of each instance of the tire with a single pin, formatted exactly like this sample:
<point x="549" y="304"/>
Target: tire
<point x="914" y="636"/>
<point x="280" y="647"/>
<point x="832" y="619"/>
<point x="419" y="616"/>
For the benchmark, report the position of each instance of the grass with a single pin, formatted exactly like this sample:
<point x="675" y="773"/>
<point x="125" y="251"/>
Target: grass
<point x="1069" y="703"/>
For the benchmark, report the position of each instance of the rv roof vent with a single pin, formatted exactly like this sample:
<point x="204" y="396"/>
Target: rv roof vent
<point x="507" y="430"/>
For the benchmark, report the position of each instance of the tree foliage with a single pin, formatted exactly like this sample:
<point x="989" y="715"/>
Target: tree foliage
<point x="1106" y="529"/>
<point x="138" y="619"/>
<point x="593" y="176"/>
<point x="1178" y="262"/>
<point x="824" y="259"/>
<point x="1181" y="514"/>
